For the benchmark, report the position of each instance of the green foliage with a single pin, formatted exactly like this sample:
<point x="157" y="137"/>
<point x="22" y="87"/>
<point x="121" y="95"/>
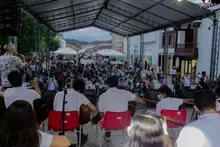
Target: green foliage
<point x="28" y="36"/>
<point x="76" y="43"/>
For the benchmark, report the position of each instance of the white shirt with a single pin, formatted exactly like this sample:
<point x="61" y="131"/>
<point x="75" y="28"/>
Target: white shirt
<point x="186" y="82"/>
<point x="174" y="72"/>
<point x="32" y="67"/>
<point x="74" y="100"/>
<point x="89" y="85"/>
<point x="169" y="104"/>
<point x="202" y="133"/>
<point x="20" y="93"/>
<point x="52" y="84"/>
<point x="45" y="139"/>
<point x="115" y="100"/>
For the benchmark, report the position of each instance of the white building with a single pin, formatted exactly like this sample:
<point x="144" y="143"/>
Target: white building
<point x="205" y="34"/>
<point x="153" y="49"/>
<point x="189" y="47"/>
<point x="117" y="42"/>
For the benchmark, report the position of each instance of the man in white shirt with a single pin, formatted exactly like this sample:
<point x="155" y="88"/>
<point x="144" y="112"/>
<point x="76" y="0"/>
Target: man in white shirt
<point x="114" y="100"/>
<point x="204" y="132"/>
<point x="74" y="99"/>
<point x="18" y="92"/>
<point x="167" y="102"/>
<point x="186" y="83"/>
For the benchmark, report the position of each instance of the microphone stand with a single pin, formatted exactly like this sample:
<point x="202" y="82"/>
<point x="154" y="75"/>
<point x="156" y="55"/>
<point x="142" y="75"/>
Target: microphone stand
<point x="63" y="112"/>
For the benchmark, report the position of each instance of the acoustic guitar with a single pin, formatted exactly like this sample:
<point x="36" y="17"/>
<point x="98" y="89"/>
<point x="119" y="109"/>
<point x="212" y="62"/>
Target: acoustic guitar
<point x="84" y="116"/>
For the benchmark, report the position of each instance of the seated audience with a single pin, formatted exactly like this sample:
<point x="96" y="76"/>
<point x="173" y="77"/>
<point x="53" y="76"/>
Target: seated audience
<point x="18" y="92"/>
<point x="204" y="131"/>
<point x="147" y="131"/>
<point x="19" y="129"/>
<point x="74" y="99"/>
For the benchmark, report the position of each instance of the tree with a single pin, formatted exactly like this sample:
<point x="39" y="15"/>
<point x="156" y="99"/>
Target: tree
<point x="28" y="35"/>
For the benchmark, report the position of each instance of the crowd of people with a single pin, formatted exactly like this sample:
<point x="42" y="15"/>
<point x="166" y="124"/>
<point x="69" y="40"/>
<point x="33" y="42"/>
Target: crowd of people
<point x="114" y="85"/>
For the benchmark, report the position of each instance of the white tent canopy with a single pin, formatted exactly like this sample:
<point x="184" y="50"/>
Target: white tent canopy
<point x="65" y="51"/>
<point x="110" y="53"/>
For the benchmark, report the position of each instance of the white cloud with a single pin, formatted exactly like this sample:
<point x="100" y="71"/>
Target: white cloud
<point x="88" y="34"/>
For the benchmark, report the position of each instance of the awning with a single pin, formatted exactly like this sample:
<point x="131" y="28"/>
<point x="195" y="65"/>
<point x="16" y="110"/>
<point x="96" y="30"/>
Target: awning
<point x="65" y="51"/>
<point x="110" y="53"/>
<point x="124" y="17"/>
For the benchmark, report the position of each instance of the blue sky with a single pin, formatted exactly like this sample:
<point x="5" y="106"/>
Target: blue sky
<point x="88" y="34"/>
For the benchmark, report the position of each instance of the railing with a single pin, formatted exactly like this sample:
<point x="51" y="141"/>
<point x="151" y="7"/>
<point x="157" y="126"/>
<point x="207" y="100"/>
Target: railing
<point x="187" y="50"/>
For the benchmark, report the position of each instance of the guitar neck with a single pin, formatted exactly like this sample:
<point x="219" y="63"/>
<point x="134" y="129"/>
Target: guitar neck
<point x="179" y="123"/>
<point x="150" y="101"/>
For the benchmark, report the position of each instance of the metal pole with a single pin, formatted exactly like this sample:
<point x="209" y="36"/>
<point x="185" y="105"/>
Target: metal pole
<point x="38" y="44"/>
<point x="128" y="50"/>
<point x="165" y="53"/>
<point x="15" y="42"/>
<point x="142" y="50"/>
<point x="215" y="49"/>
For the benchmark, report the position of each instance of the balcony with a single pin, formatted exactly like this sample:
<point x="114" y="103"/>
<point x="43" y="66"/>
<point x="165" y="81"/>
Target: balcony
<point x="189" y="50"/>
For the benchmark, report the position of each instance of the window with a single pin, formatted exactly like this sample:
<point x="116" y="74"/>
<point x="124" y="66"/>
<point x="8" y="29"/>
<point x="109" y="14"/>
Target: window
<point x="163" y="39"/>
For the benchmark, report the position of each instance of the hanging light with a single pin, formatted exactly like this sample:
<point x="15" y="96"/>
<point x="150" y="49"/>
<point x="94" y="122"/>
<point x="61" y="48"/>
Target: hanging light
<point x="179" y="0"/>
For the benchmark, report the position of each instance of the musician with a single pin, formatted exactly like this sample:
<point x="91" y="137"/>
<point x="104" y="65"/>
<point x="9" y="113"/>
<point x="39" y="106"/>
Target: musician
<point x="74" y="99"/>
<point x="8" y="63"/>
<point x="18" y="92"/>
<point x="167" y="102"/>
<point x="204" y="132"/>
<point x="114" y="100"/>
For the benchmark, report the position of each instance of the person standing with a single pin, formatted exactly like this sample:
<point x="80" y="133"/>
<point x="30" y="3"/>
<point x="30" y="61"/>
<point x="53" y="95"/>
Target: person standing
<point x="187" y="83"/>
<point x="8" y="63"/>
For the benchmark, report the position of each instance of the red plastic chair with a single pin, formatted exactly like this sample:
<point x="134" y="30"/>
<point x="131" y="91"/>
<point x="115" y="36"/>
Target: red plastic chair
<point x="179" y="115"/>
<point x="71" y="122"/>
<point x="114" y="121"/>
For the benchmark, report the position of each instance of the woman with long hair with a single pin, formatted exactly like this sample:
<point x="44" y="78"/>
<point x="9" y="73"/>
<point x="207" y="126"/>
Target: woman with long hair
<point x="147" y="131"/>
<point x="19" y="129"/>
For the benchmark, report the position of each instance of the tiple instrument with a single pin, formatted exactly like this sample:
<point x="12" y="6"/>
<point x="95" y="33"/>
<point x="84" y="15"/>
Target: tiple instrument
<point x="166" y="117"/>
<point x="84" y="116"/>
<point x="179" y="123"/>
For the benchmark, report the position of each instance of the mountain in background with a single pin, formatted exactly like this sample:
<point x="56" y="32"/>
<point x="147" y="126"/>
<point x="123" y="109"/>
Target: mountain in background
<point x="76" y="43"/>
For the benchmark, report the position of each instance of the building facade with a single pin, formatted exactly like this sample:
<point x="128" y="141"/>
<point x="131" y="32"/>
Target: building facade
<point x="153" y="49"/>
<point x="117" y="42"/>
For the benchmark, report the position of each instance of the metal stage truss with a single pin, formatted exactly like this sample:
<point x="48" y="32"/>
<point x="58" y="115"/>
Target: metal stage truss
<point x="214" y="64"/>
<point x="124" y="17"/>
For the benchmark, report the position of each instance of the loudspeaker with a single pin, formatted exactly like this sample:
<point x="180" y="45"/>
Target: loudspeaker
<point x="10" y="16"/>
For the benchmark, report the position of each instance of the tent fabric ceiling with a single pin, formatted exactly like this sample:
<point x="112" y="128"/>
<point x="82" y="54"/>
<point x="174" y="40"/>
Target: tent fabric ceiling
<point x="124" y="17"/>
